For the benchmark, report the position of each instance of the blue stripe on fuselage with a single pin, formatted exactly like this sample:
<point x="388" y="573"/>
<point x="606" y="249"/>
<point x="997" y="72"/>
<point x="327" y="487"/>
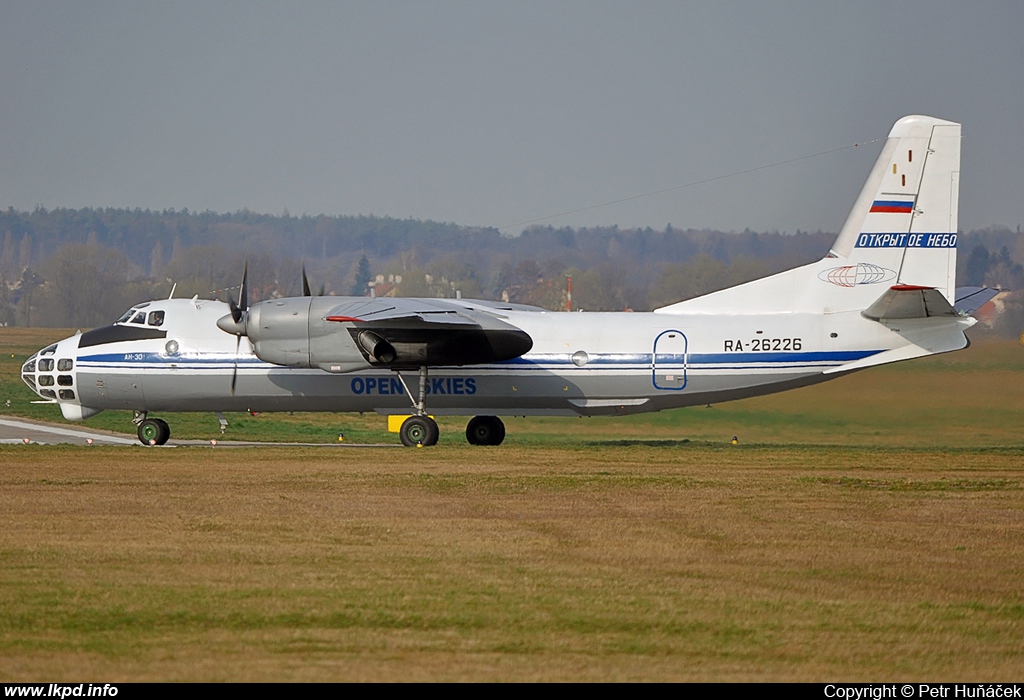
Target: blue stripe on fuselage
<point x="699" y="358"/>
<point x="155" y="358"/>
<point x="604" y="361"/>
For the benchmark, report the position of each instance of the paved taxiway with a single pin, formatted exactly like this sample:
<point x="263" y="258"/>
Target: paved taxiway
<point x="17" y="431"/>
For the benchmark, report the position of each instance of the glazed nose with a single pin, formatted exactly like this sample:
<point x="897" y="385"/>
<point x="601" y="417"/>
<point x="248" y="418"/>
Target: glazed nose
<point x="51" y="373"/>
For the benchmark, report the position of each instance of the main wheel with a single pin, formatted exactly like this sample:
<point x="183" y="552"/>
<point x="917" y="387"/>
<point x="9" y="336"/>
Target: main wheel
<point x="154" y="431"/>
<point x="485" y="430"/>
<point x="165" y="432"/>
<point x="419" y="430"/>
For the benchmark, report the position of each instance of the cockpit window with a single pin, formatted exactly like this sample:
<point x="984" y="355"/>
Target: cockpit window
<point x="49" y="350"/>
<point x="140" y="318"/>
<point x="156" y="318"/>
<point x="131" y="312"/>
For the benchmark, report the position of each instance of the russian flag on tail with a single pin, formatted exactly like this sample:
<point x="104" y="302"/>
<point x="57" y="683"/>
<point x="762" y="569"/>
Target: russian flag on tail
<point x="891" y="206"/>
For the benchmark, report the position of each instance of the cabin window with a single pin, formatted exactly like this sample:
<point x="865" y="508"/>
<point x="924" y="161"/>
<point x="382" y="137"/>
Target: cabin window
<point x="65" y="365"/>
<point x="156" y="318"/>
<point x="46" y="365"/>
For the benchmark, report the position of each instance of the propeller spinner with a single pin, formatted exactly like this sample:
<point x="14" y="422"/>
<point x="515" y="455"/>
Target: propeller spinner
<point x="234" y="322"/>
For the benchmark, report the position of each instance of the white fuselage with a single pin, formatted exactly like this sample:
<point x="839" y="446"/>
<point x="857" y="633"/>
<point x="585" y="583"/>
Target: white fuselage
<point x="580" y="364"/>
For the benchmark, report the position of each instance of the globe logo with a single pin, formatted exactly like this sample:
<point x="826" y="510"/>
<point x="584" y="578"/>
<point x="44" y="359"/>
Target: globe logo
<point x="853" y="275"/>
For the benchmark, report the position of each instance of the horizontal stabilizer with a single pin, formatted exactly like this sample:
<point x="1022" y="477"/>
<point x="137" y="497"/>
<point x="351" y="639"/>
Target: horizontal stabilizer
<point x="970" y="299"/>
<point x="903" y="301"/>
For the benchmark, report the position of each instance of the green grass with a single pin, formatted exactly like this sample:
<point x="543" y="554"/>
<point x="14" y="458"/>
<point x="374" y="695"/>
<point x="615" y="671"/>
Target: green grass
<point x="939" y="485"/>
<point x="528" y="563"/>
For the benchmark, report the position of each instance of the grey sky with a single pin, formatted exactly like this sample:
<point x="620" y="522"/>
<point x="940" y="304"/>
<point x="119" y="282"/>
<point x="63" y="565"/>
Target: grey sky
<point x="496" y="113"/>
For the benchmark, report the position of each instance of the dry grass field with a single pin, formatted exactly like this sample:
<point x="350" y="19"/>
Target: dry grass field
<point x="866" y="529"/>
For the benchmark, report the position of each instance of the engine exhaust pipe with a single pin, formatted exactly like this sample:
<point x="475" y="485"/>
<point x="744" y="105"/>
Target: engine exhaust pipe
<point x="376" y="347"/>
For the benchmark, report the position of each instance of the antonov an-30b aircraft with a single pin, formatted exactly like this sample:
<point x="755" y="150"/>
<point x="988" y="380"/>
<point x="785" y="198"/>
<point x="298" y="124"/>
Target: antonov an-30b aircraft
<point x="883" y="293"/>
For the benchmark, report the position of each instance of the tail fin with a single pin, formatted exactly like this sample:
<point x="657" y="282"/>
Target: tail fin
<point x="902" y="230"/>
<point x="904" y="224"/>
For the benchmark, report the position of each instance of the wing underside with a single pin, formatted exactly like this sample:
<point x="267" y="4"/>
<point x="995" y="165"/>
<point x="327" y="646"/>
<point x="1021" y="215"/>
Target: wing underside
<point x="399" y="332"/>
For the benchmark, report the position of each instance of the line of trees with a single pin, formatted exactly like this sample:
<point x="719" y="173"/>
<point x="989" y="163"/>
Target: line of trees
<point x="67" y="267"/>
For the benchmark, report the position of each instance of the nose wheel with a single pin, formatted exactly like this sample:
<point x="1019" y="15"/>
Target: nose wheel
<point x="154" y="431"/>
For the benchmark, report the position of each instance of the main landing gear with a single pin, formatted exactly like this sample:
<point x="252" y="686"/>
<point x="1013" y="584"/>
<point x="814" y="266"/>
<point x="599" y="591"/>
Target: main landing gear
<point x="421" y="429"/>
<point x="418" y="429"/>
<point x="485" y="430"/>
<point x="151" y="431"/>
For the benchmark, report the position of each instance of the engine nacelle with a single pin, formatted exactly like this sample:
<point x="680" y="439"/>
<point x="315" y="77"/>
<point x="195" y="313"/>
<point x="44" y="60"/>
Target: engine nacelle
<point x="301" y="332"/>
<point x="293" y="333"/>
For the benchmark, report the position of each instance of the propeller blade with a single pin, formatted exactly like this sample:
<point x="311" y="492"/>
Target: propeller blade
<point x="243" y="292"/>
<point x="243" y="296"/>
<point x="234" y="372"/>
<point x="237" y="311"/>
